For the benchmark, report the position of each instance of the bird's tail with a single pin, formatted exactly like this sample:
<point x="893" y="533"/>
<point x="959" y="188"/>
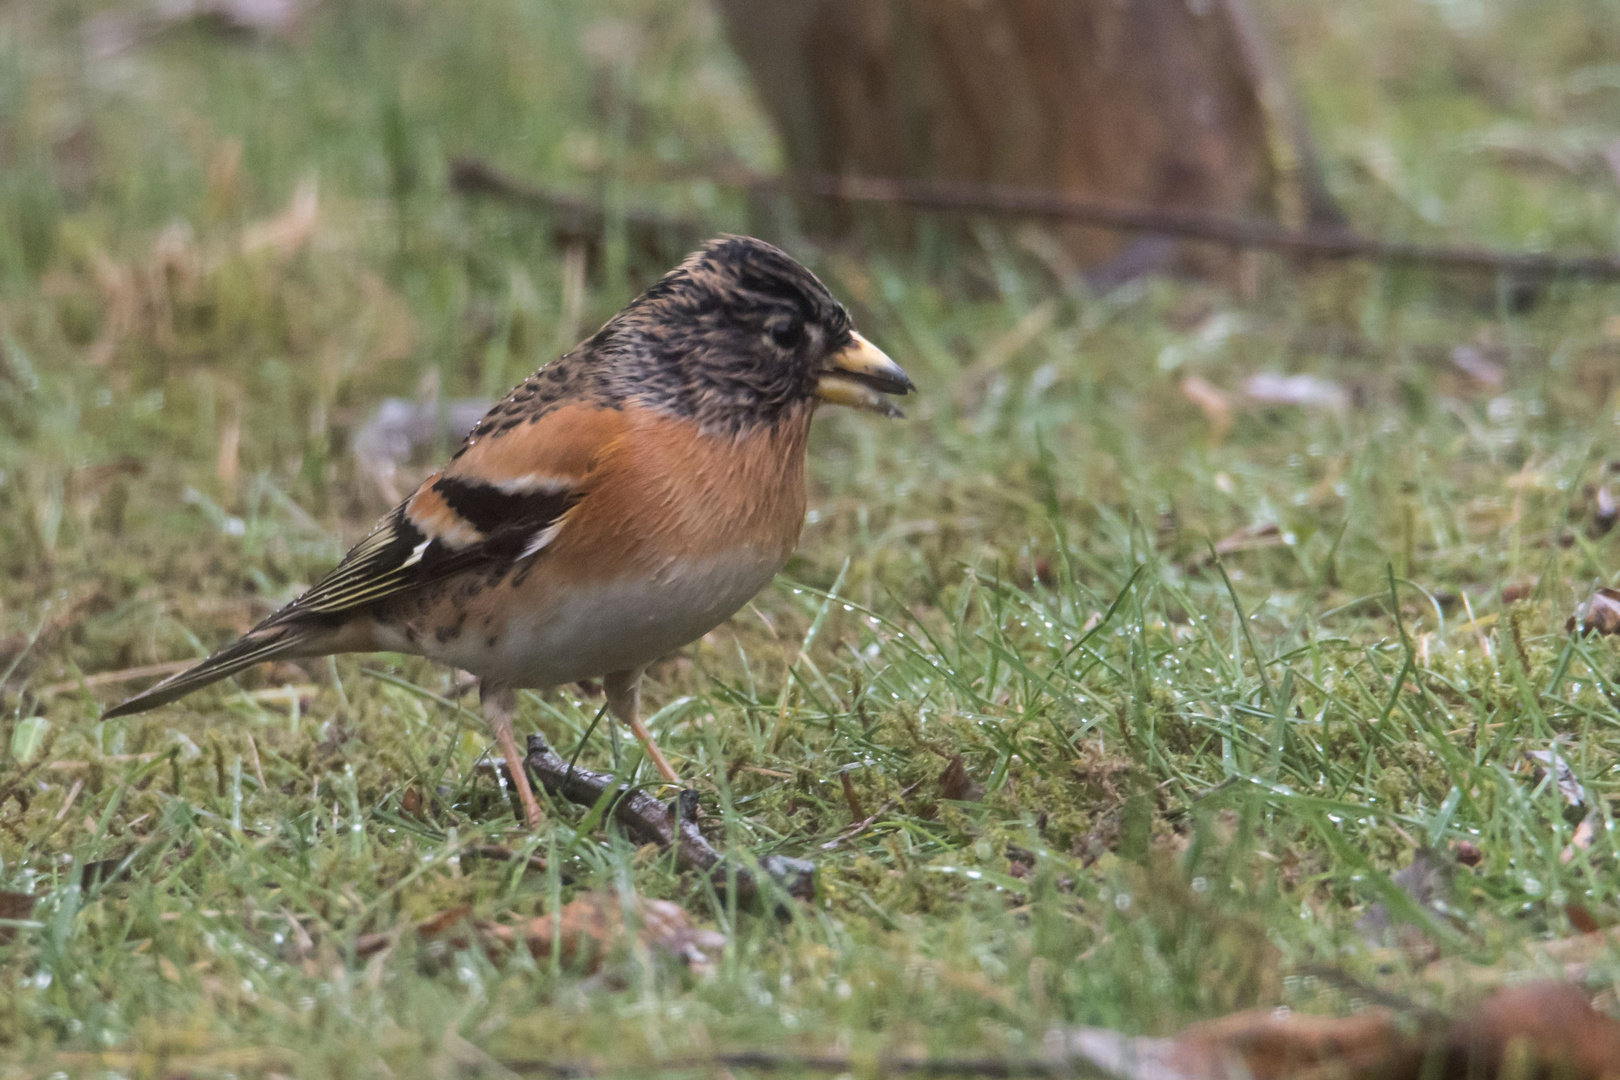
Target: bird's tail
<point x="254" y="647"/>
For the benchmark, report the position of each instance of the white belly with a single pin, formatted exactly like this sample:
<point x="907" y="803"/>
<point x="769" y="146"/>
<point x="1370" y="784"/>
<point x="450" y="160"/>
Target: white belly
<point x="611" y="626"/>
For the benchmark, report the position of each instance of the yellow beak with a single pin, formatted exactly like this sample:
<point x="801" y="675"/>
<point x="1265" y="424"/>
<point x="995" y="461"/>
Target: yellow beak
<point x="860" y="375"/>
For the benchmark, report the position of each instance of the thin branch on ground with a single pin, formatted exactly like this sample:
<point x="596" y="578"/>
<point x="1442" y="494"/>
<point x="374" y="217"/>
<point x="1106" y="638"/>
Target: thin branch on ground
<point x="668" y="825"/>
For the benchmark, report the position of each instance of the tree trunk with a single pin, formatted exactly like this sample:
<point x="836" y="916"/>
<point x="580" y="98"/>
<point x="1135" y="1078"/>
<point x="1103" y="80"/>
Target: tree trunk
<point x="1163" y="103"/>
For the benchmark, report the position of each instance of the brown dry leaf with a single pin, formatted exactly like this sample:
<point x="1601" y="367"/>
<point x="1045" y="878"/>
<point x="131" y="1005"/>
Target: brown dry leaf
<point x="287" y="233"/>
<point x="1212" y="402"/>
<point x="1260" y="1044"/>
<point x="1537" y="1030"/>
<point x="586" y="931"/>
<point x="1252" y="538"/>
<point x="1575" y="956"/>
<point x="1581" y="918"/>
<point x="1515" y="591"/>
<point x="1585" y="836"/>
<point x="429" y="929"/>
<point x="1256" y="537"/>
<point x="955" y="783"/>
<point x="588" y="928"/>
<point x="1540" y="1029"/>
<point x="1601" y="613"/>
<point x="1273" y="1043"/>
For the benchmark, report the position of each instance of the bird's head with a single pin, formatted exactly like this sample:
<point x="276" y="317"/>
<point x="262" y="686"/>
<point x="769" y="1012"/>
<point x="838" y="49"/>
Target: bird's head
<point x="740" y="334"/>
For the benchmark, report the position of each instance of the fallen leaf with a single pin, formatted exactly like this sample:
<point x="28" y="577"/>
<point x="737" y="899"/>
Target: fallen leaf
<point x="955" y="783"/>
<point x="1537" y="1030"/>
<point x="1256" y="537"/>
<point x="1585" y="836"/>
<point x="429" y="929"/>
<point x="1540" y="1029"/>
<point x="444" y="920"/>
<point x="1600" y="613"/>
<point x="1308" y="391"/>
<point x="1260" y="1044"/>
<point x="1581" y="918"/>
<point x="1252" y="538"/>
<point x="1214" y="403"/>
<point x="1518" y="590"/>
<point x="586" y="929"/>
<point x="287" y="232"/>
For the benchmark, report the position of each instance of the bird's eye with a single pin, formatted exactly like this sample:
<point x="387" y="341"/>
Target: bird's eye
<point x="787" y="335"/>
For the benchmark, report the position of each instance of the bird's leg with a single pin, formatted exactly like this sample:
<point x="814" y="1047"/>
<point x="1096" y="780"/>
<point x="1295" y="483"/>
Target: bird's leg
<point x="623" y="689"/>
<point x="499" y="703"/>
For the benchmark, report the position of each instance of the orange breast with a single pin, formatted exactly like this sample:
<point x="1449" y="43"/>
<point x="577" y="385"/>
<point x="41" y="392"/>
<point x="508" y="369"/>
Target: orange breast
<point x="662" y="492"/>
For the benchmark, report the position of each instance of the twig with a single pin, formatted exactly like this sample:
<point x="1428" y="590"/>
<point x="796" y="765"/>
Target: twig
<point x="652" y="821"/>
<point x="855" y="828"/>
<point x="574" y="219"/>
<point x="580" y="218"/>
<point x="996" y="199"/>
<point x="73" y="793"/>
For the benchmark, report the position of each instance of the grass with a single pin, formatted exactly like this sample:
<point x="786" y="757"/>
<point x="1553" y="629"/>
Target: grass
<point x="1196" y="774"/>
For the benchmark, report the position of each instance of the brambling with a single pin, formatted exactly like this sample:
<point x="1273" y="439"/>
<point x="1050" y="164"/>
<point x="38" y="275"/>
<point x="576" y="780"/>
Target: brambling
<point x="620" y="503"/>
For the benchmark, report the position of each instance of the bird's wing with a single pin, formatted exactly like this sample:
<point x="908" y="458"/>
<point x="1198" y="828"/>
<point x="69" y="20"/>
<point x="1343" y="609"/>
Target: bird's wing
<point x="504" y="497"/>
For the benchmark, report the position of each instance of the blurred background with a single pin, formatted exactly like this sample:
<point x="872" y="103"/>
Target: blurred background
<point x="263" y="261"/>
<point x="233" y="226"/>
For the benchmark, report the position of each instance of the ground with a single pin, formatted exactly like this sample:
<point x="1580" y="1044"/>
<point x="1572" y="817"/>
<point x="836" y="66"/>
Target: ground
<point x="1186" y="781"/>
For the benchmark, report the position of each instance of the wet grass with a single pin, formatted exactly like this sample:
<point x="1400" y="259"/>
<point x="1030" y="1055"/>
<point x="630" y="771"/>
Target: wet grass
<point x="1186" y="777"/>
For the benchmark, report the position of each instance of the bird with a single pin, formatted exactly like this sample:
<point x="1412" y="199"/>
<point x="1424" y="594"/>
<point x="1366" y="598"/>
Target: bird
<point x="617" y="505"/>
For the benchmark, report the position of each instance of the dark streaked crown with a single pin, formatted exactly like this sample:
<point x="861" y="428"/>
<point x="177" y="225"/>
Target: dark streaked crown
<point x="734" y="336"/>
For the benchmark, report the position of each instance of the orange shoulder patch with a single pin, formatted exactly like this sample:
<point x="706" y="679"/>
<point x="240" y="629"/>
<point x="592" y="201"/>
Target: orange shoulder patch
<point x="556" y="452"/>
<point x="430" y="513"/>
